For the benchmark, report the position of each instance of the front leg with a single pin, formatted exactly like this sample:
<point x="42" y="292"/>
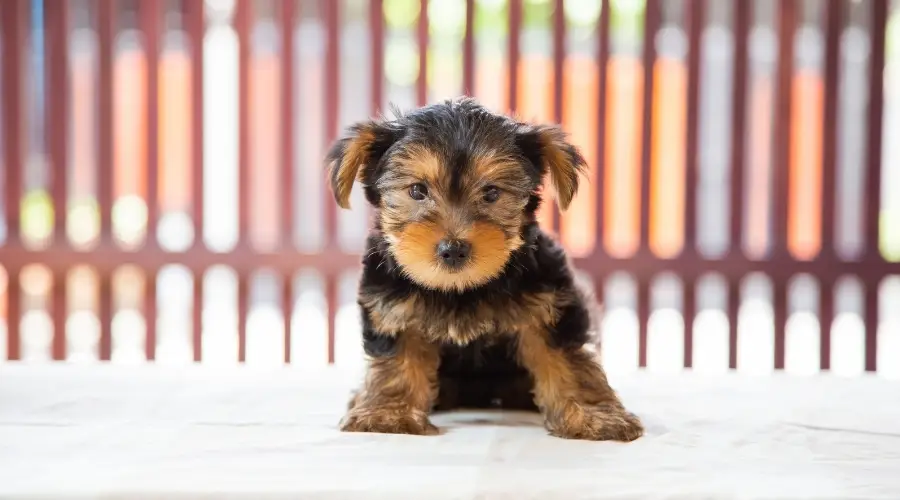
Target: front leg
<point x="400" y="387"/>
<point x="572" y="392"/>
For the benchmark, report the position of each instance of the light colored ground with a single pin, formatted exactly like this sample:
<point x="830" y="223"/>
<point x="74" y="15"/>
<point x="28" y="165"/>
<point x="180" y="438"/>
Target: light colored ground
<point x="140" y="432"/>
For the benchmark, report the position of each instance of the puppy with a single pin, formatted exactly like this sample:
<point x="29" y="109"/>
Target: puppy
<point x="465" y="301"/>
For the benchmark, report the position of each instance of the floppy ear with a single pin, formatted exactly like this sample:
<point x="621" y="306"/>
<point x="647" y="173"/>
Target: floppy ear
<point x="355" y="156"/>
<point x="548" y="150"/>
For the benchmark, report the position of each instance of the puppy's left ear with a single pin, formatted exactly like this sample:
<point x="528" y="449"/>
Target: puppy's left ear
<point x="356" y="156"/>
<point x="548" y="149"/>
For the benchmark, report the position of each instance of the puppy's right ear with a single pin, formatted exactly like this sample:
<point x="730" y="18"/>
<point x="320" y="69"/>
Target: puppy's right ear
<point x="356" y="155"/>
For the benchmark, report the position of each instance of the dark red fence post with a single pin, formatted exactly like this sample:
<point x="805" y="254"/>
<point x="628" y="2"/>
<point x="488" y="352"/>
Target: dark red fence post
<point x="12" y="15"/>
<point x="780" y="256"/>
<point x="469" y="50"/>
<point x="106" y="31"/>
<point x="56" y="92"/>
<point x="515" y="28"/>
<point x="287" y="20"/>
<point x="600" y="160"/>
<point x="742" y="18"/>
<point x="196" y="28"/>
<point x="149" y="14"/>
<point x="376" y="31"/>
<point x="652" y="19"/>
<point x="694" y="20"/>
<point x="243" y="25"/>
<point x="422" y="38"/>
<point x="331" y="13"/>
<point x="834" y="27"/>
<point x="873" y="257"/>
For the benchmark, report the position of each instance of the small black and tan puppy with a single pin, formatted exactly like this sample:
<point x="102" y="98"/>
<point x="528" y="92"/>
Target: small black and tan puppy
<point x="465" y="301"/>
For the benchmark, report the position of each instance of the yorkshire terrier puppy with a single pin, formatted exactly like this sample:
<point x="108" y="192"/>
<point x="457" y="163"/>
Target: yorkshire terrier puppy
<point x="465" y="301"/>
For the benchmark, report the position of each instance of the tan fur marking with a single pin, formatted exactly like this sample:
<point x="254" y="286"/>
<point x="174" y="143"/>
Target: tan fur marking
<point x="558" y="164"/>
<point x="415" y="248"/>
<point x="398" y="391"/>
<point x="355" y="156"/>
<point x="421" y="163"/>
<point x="489" y="166"/>
<point x="572" y="392"/>
<point x="390" y="317"/>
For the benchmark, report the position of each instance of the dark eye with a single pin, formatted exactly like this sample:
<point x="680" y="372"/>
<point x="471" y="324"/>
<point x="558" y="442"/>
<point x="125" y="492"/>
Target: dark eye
<point x="491" y="193"/>
<point x="418" y="192"/>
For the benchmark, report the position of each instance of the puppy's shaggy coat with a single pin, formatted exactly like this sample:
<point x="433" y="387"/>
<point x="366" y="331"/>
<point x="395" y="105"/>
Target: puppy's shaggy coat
<point x="465" y="301"/>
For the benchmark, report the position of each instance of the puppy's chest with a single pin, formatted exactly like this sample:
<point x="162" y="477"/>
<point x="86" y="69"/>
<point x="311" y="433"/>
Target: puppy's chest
<point x="460" y="322"/>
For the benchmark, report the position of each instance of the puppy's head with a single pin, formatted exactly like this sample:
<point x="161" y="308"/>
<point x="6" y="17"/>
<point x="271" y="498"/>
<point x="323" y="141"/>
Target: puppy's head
<point x="453" y="185"/>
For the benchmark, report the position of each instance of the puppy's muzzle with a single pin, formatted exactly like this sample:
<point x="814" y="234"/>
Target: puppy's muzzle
<point x="454" y="253"/>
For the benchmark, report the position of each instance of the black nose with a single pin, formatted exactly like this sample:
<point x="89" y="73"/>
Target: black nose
<point x="454" y="253"/>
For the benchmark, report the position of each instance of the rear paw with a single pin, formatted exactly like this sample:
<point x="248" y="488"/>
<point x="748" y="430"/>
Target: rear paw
<point x="595" y="423"/>
<point x="388" y="420"/>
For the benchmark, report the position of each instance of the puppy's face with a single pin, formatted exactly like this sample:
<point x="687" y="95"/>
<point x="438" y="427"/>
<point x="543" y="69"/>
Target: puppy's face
<point x="453" y="185"/>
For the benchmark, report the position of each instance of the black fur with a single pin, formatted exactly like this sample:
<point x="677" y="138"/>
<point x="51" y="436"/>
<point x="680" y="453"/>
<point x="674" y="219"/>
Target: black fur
<point x="483" y="373"/>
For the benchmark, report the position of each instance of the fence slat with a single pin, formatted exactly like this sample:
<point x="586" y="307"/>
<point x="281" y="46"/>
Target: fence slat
<point x="643" y="314"/>
<point x="873" y="180"/>
<point x="56" y="64"/>
<point x="106" y="15"/>
<point x="826" y="318"/>
<point x="58" y="313"/>
<point x="652" y="19"/>
<point x="376" y="31"/>
<point x="106" y="30"/>
<point x="13" y="313"/>
<point x="331" y="18"/>
<point x="56" y="117"/>
<point x="786" y="22"/>
<point x="834" y="18"/>
<point x="513" y="53"/>
<point x="742" y="19"/>
<point x="422" y="39"/>
<point x="689" y="312"/>
<point x="243" y="301"/>
<point x="243" y="22"/>
<point x="870" y="319"/>
<point x="874" y="129"/>
<point x="469" y="50"/>
<point x="602" y="85"/>
<point x="780" y="312"/>
<point x="732" y="309"/>
<point x="332" y="303"/>
<point x="150" y="25"/>
<point x="559" y="59"/>
<point x="288" y="91"/>
<point x="13" y="19"/>
<point x="287" y="311"/>
<point x="105" y="315"/>
<point x="695" y="20"/>
<point x="780" y="256"/>
<point x="559" y="81"/>
<point x="196" y="27"/>
<point x="150" y="314"/>
<point x="197" y="318"/>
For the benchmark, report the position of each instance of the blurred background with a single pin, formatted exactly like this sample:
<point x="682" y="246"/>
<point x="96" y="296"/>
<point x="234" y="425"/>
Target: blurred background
<point x="162" y="196"/>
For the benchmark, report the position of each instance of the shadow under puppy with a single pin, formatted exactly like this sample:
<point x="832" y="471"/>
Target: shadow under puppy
<point x="465" y="301"/>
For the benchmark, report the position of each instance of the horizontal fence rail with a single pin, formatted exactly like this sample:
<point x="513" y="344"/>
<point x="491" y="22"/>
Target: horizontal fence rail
<point x="276" y="111"/>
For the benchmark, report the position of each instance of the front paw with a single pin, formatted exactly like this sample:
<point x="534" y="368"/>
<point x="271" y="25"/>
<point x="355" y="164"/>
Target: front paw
<point x="388" y="420"/>
<point x="594" y="423"/>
